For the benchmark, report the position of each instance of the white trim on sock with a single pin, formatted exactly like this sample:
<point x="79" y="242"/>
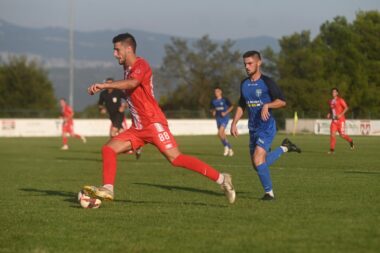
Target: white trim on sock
<point x="220" y="179"/>
<point x="285" y="149"/>
<point x="270" y="193"/>
<point x="109" y="187"/>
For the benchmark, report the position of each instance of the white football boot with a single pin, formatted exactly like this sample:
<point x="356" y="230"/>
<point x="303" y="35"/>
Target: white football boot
<point x="228" y="188"/>
<point x="100" y="192"/>
<point x="226" y="150"/>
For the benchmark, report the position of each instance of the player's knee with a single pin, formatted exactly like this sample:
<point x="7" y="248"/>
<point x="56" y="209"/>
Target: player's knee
<point x="176" y="161"/>
<point x="106" y="148"/>
<point x="257" y="161"/>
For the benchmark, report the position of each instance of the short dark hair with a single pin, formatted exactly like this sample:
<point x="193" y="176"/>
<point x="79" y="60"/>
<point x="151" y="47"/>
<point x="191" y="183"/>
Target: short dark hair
<point x="218" y="88"/>
<point x="109" y="79"/>
<point x="126" y="38"/>
<point x="335" y="88"/>
<point x="252" y="53"/>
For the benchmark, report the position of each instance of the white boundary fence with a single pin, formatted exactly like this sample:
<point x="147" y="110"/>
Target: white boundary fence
<point x="322" y="126"/>
<point x="100" y="127"/>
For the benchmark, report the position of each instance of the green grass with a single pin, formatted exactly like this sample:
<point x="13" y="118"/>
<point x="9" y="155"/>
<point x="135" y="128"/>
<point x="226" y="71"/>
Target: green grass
<point x="323" y="203"/>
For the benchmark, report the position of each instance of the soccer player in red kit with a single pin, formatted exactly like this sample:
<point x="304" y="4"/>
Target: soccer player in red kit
<point x="68" y="124"/>
<point x="149" y="124"/>
<point x="338" y="107"/>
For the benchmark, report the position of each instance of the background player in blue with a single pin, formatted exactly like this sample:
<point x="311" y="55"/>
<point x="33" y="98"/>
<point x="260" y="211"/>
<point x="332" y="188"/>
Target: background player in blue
<point x="260" y="95"/>
<point x="220" y="108"/>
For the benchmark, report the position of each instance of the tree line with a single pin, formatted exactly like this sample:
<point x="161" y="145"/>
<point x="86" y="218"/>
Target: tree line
<point x="343" y="54"/>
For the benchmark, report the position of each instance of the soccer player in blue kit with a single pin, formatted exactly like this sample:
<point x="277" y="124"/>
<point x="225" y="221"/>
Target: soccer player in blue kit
<point x="220" y="108"/>
<point x="261" y="95"/>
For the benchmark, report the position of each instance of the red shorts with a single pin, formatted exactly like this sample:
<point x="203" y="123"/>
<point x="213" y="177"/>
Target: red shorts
<point x="156" y="134"/>
<point x="338" y="125"/>
<point x="68" y="127"/>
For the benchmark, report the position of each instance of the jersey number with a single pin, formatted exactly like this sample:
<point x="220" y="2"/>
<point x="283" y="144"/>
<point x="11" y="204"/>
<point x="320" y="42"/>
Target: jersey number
<point x="163" y="136"/>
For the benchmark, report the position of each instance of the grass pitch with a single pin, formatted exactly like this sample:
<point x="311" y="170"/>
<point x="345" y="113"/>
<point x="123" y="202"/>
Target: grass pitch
<point x="324" y="203"/>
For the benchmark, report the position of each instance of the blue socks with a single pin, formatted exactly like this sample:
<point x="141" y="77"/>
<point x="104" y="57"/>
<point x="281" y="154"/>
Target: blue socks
<point x="264" y="175"/>
<point x="263" y="169"/>
<point x="274" y="155"/>
<point x="226" y="143"/>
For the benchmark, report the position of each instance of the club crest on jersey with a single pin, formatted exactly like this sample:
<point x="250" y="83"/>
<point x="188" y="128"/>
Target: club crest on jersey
<point x="259" y="92"/>
<point x="114" y="100"/>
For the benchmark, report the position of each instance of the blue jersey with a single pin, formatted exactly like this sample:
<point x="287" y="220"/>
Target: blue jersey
<point x="253" y="95"/>
<point x="220" y="105"/>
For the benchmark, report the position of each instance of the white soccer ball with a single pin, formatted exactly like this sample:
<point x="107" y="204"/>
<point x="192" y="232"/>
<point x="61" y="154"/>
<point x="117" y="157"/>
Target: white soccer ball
<point x="87" y="202"/>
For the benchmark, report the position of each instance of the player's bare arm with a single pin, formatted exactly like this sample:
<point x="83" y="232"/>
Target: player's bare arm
<point x="237" y="117"/>
<point x="228" y="111"/>
<point x="277" y="103"/>
<point x="119" y="85"/>
<point x="213" y="112"/>
<point x="343" y="113"/>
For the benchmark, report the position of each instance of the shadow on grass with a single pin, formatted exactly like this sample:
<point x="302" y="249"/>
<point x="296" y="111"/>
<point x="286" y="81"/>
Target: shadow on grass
<point x="78" y="159"/>
<point x="362" y="172"/>
<point x="180" y="188"/>
<point x="69" y="196"/>
<point x="203" y="154"/>
<point x="188" y="189"/>
<point x="168" y="203"/>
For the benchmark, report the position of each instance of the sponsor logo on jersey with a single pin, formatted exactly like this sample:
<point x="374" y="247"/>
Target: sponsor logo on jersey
<point x="253" y="103"/>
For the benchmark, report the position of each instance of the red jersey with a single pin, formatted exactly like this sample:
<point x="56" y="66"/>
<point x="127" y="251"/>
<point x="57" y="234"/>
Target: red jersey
<point x="337" y="106"/>
<point x="67" y="112"/>
<point x="142" y="104"/>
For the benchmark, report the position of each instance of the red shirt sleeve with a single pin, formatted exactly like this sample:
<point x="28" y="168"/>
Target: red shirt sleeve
<point x="343" y="103"/>
<point x="138" y="71"/>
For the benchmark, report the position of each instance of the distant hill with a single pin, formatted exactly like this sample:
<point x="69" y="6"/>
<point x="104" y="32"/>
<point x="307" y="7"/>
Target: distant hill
<point x="93" y="53"/>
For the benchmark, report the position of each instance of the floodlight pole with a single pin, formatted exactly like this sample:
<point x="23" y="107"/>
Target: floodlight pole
<point x="71" y="54"/>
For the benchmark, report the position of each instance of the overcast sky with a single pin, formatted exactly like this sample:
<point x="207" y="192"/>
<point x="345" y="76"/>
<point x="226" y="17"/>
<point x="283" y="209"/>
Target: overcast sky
<point x="221" y="19"/>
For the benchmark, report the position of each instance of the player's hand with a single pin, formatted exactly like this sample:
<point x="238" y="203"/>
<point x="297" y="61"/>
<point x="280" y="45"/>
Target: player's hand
<point x="103" y="111"/>
<point x="234" y="130"/>
<point x="223" y="114"/>
<point x="213" y="113"/>
<point x="265" y="112"/>
<point x="94" y="88"/>
<point x="328" y="115"/>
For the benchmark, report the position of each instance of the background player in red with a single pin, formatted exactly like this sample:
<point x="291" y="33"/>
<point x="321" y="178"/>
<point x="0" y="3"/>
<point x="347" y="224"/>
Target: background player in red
<point x="338" y="107"/>
<point x="149" y="124"/>
<point x="67" y="115"/>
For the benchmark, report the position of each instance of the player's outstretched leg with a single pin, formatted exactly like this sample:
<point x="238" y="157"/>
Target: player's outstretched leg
<point x="109" y="173"/>
<point x="286" y="146"/>
<point x="194" y="164"/>
<point x="290" y="146"/>
<point x="349" y="140"/>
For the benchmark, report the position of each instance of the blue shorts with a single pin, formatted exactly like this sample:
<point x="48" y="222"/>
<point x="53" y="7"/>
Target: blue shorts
<point x="262" y="138"/>
<point x="222" y="122"/>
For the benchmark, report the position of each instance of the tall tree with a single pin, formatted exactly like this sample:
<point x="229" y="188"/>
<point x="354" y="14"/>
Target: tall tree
<point x="24" y="85"/>
<point x="344" y="55"/>
<point x="192" y="72"/>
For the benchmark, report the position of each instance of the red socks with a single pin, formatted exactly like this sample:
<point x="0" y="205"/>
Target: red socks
<point x="194" y="164"/>
<point x="185" y="161"/>
<point x="109" y="165"/>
